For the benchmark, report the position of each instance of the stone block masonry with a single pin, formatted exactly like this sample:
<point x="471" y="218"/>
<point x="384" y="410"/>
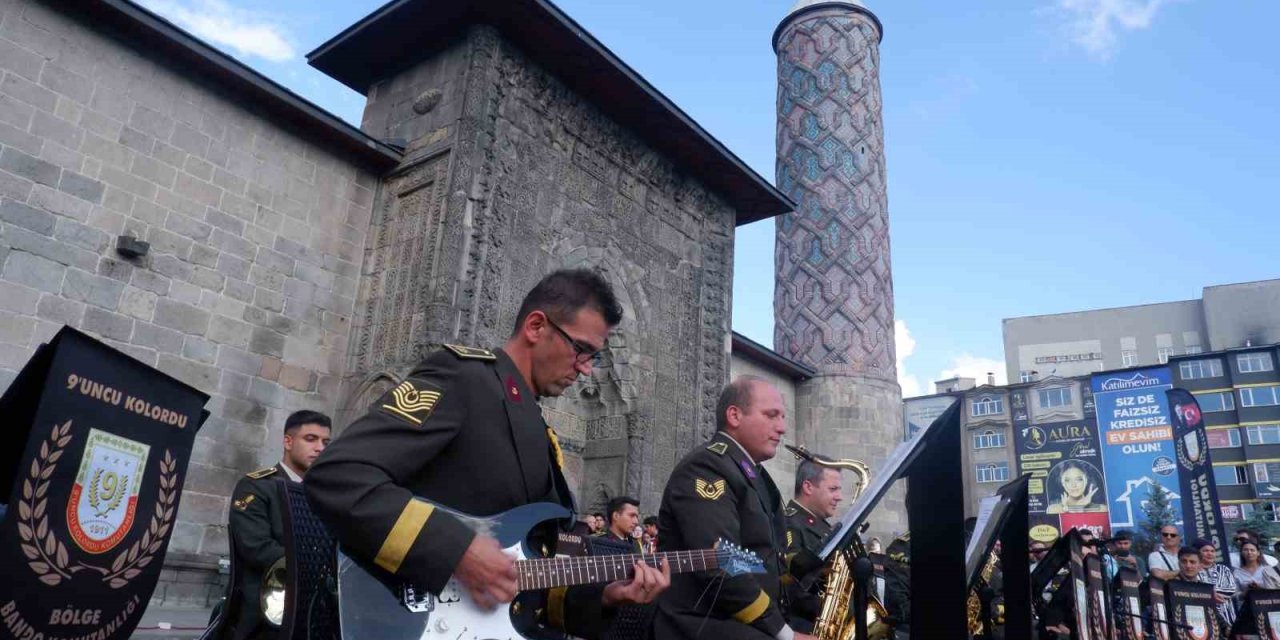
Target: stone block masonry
<point x="251" y="229"/>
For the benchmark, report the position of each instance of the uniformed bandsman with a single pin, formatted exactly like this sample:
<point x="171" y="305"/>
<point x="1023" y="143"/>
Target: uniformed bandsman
<point x="720" y="491"/>
<point x="256" y="525"/>
<point x="465" y="430"/>
<point x="817" y="494"/>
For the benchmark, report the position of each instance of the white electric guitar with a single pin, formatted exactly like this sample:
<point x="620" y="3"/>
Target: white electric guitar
<point x="375" y="606"/>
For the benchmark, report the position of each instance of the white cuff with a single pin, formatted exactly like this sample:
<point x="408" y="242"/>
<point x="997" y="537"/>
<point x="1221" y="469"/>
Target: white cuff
<point x="785" y="633"/>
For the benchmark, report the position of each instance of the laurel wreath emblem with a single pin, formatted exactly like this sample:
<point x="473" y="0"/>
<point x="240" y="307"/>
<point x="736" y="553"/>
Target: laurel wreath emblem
<point x="47" y="555"/>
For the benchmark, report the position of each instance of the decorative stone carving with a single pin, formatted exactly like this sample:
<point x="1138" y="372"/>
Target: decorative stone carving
<point x="534" y="179"/>
<point x="427" y="101"/>
<point x="833" y="297"/>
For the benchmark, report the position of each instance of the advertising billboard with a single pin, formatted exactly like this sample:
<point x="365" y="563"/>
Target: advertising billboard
<point x="1136" y="436"/>
<point x="1067" y="489"/>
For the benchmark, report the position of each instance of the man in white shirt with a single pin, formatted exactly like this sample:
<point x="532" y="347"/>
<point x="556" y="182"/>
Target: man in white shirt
<point x="1163" y="562"/>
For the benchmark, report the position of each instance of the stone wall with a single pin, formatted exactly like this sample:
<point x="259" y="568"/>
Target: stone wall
<point x="256" y="239"/>
<point x="508" y="176"/>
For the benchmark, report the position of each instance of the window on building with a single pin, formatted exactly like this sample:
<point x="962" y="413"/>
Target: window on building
<point x="1269" y="509"/>
<point x="1129" y="357"/>
<point x="1026" y="376"/>
<point x="1254" y="362"/>
<point x="1230" y="474"/>
<point x="1259" y="396"/>
<point x="1197" y="369"/>
<point x="1216" y="401"/>
<point x="988" y="439"/>
<point x="1163" y="353"/>
<point x="1260" y="474"/>
<point x="1263" y="433"/>
<point x="1059" y="397"/>
<point x="993" y="472"/>
<point x="1193" y="349"/>
<point x="987" y="406"/>
<point x="1223" y="438"/>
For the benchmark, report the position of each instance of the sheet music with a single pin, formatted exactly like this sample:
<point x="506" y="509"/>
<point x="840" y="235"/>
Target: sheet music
<point x="985" y="507"/>
<point x="881" y="480"/>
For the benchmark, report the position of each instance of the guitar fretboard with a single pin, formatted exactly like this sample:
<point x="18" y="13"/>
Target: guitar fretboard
<point x="548" y="573"/>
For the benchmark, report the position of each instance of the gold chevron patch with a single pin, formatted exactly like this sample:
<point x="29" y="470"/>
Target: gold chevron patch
<point x="790" y="539"/>
<point x="709" y="490"/>
<point x="411" y="403"/>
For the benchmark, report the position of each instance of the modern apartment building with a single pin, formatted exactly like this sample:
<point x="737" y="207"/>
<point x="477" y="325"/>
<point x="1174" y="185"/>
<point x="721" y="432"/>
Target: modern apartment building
<point x="1084" y="342"/>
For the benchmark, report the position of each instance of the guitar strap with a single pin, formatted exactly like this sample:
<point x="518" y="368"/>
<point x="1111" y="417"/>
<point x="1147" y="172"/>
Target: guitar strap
<point x="560" y="489"/>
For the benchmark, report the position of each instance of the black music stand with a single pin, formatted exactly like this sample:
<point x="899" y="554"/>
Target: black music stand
<point x="311" y="601"/>
<point x="935" y="512"/>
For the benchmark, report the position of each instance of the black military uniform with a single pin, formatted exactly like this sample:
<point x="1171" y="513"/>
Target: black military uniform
<point x="805" y="532"/>
<point x="463" y="430"/>
<point x="256" y="527"/>
<point x="804" y="529"/>
<point x="718" y="492"/>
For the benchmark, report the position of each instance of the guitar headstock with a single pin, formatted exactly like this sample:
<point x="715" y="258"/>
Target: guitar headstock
<point x="736" y="561"/>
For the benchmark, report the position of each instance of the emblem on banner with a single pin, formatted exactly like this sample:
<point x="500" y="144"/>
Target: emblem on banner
<point x="104" y="499"/>
<point x="1198" y="621"/>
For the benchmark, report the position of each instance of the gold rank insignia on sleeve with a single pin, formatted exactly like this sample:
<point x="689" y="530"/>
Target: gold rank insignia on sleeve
<point x="411" y="403"/>
<point x="243" y="502"/>
<point x="790" y="538"/>
<point x="470" y="353"/>
<point x="709" y="490"/>
<point x="718" y="448"/>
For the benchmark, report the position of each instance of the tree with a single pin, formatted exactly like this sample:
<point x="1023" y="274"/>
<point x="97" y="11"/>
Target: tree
<point x="1259" y="522"/>
<point x="1158" y="513"/>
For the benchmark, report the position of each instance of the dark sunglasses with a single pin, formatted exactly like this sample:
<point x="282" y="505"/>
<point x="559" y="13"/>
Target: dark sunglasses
<point x="1039" y="551"/>
<point x="1168" y="535"/>
<point x="583" y="353"/>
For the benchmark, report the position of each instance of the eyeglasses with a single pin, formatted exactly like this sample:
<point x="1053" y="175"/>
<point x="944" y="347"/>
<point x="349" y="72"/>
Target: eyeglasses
<point x="583" y="353"/>
<point x="1168" y="535"/>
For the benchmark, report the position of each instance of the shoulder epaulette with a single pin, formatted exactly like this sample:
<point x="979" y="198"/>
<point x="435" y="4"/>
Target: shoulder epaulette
<point x="717" y="448"/>
<point x="790" y="511"/>
<point x="261" y="473"/>
<point x="471" y="353"/>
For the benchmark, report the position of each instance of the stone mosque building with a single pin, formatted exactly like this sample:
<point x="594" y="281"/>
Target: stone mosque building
<point x="298" y="262"/>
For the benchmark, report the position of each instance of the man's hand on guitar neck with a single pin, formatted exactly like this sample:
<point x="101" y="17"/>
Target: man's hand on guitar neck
<point x="642" y="588"/>
<point x="487" y="573"/>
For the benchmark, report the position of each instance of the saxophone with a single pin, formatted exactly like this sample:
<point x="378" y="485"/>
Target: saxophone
<point x="973" y="605"/>
<point x="835" y="619"/>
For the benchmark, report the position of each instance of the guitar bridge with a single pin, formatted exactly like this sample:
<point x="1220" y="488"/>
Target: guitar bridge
<point x="415" y="601"/>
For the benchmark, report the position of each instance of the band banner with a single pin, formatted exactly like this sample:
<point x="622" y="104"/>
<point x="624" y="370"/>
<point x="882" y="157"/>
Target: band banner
<point x="1265" y="605"/>
<point x="1200" y="516"/>
<point x="1158" y="601"/>
<point x="1137" y="440"/>
<point x="1099" y="604"/>
<point x="1080" y="588"/>
<point x="1192" y="607"/>
<point x="1128" y="604"/>
<point x="104" y="443"/>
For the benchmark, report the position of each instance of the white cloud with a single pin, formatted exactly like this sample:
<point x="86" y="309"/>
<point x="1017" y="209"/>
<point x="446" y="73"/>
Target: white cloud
<point x="968" y="366"/>
<point x="246" y="33"/>
<point x="1093" y="24"/>
<point x="905" y="346"/>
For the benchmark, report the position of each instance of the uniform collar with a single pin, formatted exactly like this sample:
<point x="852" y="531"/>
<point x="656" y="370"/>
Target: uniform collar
<point x="514" y="386"/>
<point x="740" y="447"/>
<point x="293" y="477"/>
<point x="806" y="509"/>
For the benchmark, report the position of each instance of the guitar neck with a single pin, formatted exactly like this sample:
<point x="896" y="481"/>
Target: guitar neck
<point x="549" y="573"/>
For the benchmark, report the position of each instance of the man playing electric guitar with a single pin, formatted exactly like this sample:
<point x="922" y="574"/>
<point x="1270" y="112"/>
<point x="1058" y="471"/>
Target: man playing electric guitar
<point x="465" y="431"/>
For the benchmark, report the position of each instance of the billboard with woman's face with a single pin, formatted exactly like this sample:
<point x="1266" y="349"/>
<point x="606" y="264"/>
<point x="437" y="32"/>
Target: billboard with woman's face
<point x="1067" y="488"/>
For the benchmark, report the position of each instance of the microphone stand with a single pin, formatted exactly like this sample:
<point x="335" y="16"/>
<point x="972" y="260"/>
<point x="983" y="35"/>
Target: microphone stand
<point x="1152" y="618"/>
